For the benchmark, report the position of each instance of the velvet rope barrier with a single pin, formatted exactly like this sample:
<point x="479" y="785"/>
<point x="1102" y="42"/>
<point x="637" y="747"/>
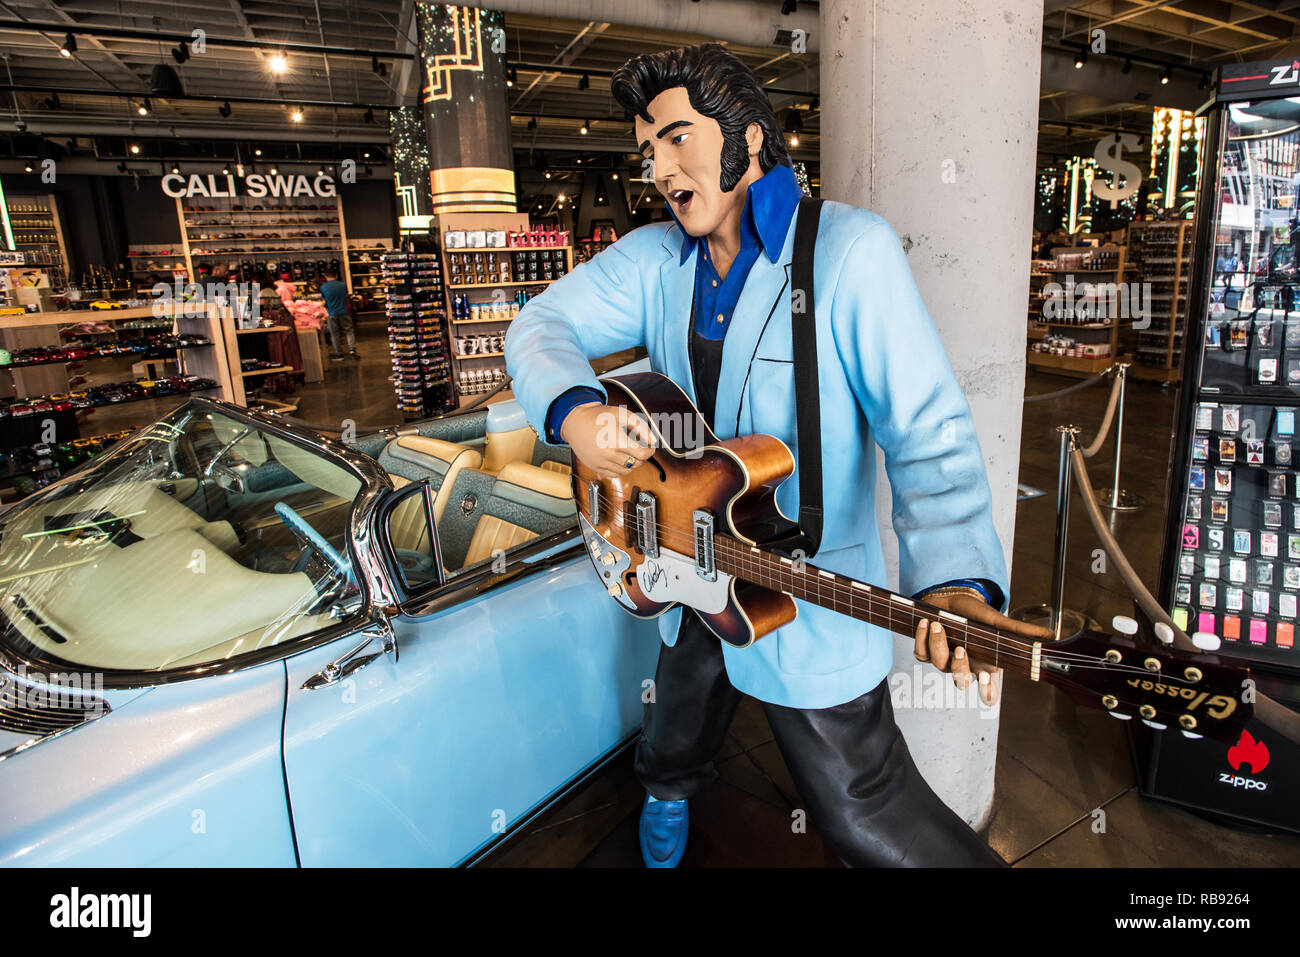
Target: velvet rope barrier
<point x="1090" y="381"/>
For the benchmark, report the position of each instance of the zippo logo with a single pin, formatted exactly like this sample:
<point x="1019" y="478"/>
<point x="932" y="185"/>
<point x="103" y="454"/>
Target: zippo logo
<point x="1285" y="74"/>
<point x="1247" y="751"/>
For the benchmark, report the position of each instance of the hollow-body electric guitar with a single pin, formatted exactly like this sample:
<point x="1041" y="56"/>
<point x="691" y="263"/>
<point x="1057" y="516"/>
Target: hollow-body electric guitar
<point x="697" y="524"/>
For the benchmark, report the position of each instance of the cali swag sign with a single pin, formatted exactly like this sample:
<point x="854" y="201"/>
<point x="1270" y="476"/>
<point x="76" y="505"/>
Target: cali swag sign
<point x="255" y="185"/>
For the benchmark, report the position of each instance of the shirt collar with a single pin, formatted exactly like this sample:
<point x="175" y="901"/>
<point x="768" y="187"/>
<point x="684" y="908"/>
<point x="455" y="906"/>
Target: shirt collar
<point x="771" y="202"/>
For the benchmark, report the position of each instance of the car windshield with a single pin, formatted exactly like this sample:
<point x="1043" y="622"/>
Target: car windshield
<point x="202" y="538"/>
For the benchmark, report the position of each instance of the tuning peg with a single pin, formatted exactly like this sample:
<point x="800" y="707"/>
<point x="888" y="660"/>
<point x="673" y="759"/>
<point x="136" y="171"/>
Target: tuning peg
<point x="1154" y="724"/>
<point x="1164" y="634"/>
<point x="1206" y="641"/>
<point x="1188" y="734"/>
<point x="1124" y="625"/>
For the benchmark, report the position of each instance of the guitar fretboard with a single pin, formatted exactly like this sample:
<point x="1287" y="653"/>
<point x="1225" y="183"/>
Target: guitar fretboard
<point x="876" y="606"/>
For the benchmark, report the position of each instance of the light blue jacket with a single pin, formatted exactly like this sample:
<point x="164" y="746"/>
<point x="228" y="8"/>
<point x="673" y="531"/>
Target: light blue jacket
<point x="884" y="379"/>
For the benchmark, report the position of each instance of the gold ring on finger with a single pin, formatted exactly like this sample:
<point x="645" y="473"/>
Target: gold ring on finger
<point x="631" y="461"/>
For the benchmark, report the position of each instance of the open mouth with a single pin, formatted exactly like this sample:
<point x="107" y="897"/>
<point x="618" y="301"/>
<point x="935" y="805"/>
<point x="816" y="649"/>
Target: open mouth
<point x="681" y="198"/>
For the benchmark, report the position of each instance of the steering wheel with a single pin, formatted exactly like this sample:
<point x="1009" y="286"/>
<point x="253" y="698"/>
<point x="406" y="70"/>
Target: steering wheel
<point x="308" y="537"/>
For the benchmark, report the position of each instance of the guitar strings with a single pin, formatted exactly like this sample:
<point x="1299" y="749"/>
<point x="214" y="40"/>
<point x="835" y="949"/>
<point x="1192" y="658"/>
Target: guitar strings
<point x="742" y="556"/>
<point x="1012" y="648"/>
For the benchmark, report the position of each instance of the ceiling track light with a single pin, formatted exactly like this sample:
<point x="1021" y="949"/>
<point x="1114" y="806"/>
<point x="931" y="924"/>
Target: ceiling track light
<point x="27" y="168"/>
<point x="1205" y="81"/>
<point x="512" y="76"/>
<point x="144" y="108"/>
<point x="135" y="148"/>
<point x="532" y="122"/>
<point x="181" y="52"/>
<point x="584" y="82"/>
<point x="277" y="63"/>
<point x="1165" y="75"/>
<point x="52" y="101"/>
<point x="376" y="67"/>
<point x="369" y="115"/>
<point x="296" y="116"/>
<point x="1128" y="65"/>
<point x="1080" y="59"/>
<point x="69" y="44"/>
<point x="788" y="7"/>
<point x="224" y="109"/>
<point x="585" y="127"/>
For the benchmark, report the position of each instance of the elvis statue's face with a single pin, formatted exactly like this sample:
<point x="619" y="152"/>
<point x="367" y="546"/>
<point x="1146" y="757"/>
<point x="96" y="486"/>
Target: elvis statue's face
<point x="686" y="148"/>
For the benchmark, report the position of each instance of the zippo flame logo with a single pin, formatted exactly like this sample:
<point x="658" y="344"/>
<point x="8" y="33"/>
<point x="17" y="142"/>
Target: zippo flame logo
<point x="1248" y="751"/>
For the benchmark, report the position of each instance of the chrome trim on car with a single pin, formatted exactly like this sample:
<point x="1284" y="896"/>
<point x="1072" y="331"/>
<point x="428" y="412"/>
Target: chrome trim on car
<point x="539" y="555"/>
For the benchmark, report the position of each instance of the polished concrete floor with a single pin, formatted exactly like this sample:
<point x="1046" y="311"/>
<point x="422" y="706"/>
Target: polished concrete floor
<point x="1056" y="764"/>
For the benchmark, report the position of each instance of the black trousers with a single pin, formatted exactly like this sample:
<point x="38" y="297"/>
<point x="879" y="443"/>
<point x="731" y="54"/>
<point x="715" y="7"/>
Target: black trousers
<point x="850" y="762"/>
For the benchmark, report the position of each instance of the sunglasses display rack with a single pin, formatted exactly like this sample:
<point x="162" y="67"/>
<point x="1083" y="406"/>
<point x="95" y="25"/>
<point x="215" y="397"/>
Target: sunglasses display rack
<point x="418" y="333"/>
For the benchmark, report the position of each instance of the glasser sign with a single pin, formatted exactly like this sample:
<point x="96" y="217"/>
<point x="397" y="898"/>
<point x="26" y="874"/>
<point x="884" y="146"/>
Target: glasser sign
<point x="255" y="185"/>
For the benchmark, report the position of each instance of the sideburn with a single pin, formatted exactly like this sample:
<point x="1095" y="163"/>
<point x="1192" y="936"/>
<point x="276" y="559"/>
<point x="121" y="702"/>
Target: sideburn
<point x="735" y="161"/>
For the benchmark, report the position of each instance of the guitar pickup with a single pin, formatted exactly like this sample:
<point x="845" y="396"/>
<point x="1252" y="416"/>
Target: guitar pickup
<point x="593" y="502"/>
<point x="704" y="562"/>
<point x="646" y="524"/>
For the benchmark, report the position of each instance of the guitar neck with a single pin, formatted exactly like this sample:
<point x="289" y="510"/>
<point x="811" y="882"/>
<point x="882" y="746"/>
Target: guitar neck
<point x="876" y="606"/>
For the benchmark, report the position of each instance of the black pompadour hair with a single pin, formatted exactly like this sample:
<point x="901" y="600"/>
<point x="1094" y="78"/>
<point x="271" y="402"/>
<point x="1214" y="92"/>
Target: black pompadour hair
<point x="720" y="87"/>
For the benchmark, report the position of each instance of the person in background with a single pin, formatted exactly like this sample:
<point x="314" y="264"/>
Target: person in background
<point x="338" y="315"/>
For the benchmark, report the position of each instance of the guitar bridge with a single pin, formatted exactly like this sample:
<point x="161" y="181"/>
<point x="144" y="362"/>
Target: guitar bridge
<point x="646" y="519"/>
<point x="705" y="566"/>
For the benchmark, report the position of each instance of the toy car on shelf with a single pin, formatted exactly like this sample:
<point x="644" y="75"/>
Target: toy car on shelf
<point x="379" y="653"/>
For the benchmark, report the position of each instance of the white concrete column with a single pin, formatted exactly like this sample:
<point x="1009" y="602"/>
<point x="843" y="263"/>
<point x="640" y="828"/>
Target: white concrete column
<point x="929" y="117"/>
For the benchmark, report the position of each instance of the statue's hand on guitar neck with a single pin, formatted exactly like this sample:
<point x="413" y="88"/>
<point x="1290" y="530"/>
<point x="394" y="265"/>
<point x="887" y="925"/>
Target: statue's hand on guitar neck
<point x="932" y="642"/>
<point x="609" y="440"/>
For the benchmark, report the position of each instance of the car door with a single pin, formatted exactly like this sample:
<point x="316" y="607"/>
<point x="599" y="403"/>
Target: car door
<point x="505" y="685"/>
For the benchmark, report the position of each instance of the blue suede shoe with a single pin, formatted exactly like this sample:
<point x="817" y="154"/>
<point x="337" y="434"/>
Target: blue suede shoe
<point x="664" y="827"/>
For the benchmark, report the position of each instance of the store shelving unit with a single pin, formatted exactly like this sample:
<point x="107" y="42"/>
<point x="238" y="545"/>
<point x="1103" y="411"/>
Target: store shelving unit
<point x="1161" y="254"/>
<point x="307" y="233"/>
<point x="164" y="260"/>
<point x="485" y="288"/>
<point x="99" y="326"/>
<point x="1081" y="265"/>
<point x="365" y="272"/>
<point x="38" y="234"/>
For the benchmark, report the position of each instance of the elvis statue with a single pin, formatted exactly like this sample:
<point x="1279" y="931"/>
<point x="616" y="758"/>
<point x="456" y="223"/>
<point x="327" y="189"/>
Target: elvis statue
<point x="709" y="297"/>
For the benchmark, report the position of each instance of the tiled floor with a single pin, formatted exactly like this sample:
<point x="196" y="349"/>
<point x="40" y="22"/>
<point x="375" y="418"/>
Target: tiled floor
<point x="1057" y="764"/>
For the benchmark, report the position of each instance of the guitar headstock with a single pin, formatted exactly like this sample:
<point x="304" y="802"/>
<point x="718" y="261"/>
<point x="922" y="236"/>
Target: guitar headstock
<point x="1202" y="694"/>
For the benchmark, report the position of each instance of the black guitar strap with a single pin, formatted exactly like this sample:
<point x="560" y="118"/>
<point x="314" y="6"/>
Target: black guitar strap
<point x="807" y="398"/>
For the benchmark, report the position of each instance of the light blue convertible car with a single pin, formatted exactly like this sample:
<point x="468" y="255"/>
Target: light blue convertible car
<point x="233" y="641"/>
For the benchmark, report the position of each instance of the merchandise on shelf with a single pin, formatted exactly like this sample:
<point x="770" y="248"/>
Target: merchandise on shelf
<point x="418" y="333"/>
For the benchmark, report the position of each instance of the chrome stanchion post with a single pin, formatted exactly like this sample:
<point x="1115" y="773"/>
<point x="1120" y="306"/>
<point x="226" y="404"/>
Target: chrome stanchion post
<point x="1054" y="615"/>
<point x="1115" y="497"/>
<point x="1069" y="435"/>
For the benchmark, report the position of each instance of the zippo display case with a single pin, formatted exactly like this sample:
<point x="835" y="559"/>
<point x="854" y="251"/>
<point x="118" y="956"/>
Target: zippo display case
<point x="1231" y="557"/>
